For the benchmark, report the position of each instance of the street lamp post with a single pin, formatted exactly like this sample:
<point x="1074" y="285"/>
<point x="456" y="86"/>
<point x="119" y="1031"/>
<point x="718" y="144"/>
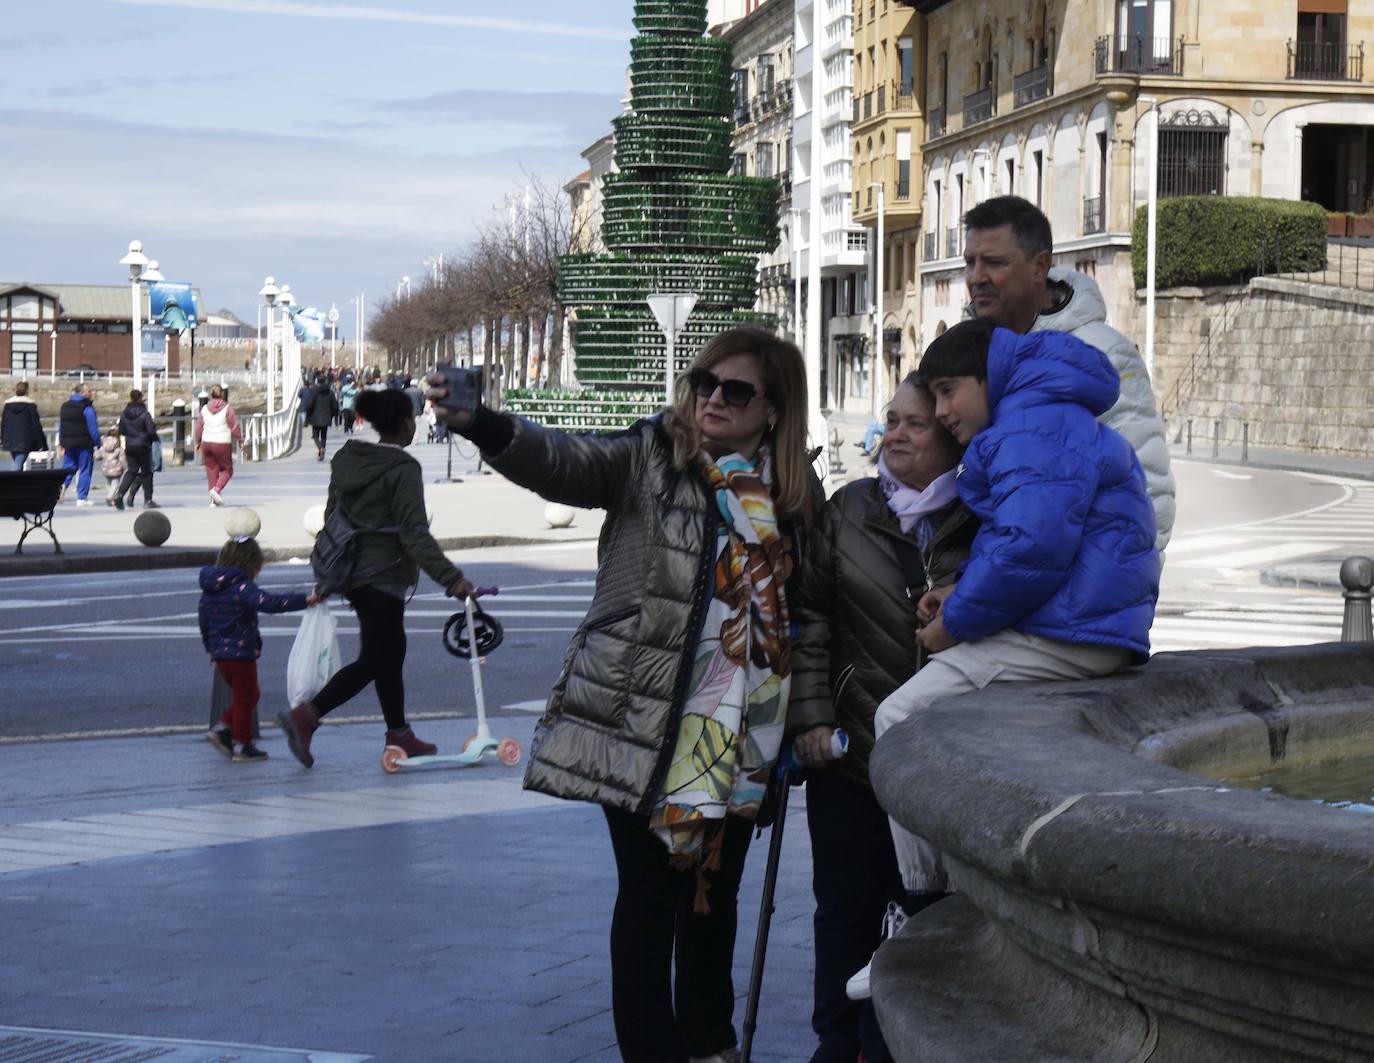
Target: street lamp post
<point x="52" y="366"/>
<point x="269" y="294"/>
<point x="878" y="370"/>
<point x="333" y="319"/>
<point x="1152" y="165"/>
<point x="151" y="274"/>
<point x="287" y="300"/>
<point x="137" y="261"/>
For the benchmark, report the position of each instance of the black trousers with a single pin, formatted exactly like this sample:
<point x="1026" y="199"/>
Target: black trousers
<point x="321" y="434"/>
<point x="654" y="929"/>
<point x="381" y="657"/>
<point x="854" y="876"/>
<point x="139" y="472"/>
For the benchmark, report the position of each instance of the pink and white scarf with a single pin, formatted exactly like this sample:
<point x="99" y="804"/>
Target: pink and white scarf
<point x="910" y="505"/>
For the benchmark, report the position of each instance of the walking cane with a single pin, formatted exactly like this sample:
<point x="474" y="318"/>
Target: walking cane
<point x="789" y="774"/>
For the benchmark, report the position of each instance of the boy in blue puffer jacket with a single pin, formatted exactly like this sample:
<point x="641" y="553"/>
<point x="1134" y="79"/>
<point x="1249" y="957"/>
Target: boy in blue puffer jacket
<point x="1063" y="576"/>
<point x="229" y="605"/>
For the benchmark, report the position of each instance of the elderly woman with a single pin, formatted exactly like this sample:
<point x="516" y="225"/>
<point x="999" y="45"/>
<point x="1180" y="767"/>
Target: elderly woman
<point x="879" y="544"/>
<point x="670" y="707"/>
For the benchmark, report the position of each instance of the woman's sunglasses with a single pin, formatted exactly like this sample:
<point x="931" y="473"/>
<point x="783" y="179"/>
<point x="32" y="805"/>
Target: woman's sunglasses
<point x="739" y="393"/>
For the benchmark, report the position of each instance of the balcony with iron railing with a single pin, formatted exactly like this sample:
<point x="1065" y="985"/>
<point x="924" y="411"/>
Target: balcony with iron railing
<point x="882" y="99"/>
<point x="979" y="107"/>
<point x="1031" y="86"/>
<point x="1314" y="61"/>
<point x="932" y="247"/>
<point x="903" y="189"/>
<point x="1092" y="216"/>
<point x="935" y="122"/>
<point x="952" y="235"/>
<point x="1130" y="53"/>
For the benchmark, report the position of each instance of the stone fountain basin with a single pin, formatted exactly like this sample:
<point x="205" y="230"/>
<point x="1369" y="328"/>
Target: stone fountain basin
<point x="1115" y="901"/>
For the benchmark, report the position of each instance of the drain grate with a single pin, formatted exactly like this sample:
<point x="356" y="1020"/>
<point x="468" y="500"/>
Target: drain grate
<point x="23" y="1045"/>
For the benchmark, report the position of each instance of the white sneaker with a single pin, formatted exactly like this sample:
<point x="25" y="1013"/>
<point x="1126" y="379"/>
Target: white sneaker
<point x="857" y="988"/>
<point x="84" y="502"/>
<point x="215" y="499"/>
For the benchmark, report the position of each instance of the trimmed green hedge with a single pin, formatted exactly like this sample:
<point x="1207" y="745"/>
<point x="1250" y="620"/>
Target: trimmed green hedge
<point x="1227" y="239"/>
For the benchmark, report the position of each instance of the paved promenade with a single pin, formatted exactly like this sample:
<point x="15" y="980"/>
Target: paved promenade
<point x="483" y="510"/>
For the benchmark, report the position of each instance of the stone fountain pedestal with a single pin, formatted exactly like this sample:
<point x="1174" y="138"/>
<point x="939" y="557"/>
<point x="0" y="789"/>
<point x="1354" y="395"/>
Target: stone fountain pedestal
<point x="1116" y="902"/>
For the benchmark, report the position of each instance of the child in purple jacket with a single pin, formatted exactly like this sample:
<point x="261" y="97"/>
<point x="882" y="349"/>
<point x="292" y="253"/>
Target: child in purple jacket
<point x="229" y="605"/>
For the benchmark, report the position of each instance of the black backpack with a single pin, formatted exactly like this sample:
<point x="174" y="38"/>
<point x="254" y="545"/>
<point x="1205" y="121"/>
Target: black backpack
<point x="336" y="552"/>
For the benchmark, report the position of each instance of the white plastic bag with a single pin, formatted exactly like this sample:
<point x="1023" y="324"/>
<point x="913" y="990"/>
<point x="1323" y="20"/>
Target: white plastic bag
<point x="314" y="655"/>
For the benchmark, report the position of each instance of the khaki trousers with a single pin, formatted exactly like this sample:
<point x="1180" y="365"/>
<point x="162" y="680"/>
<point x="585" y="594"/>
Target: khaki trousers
<point x="1006" y="657"/>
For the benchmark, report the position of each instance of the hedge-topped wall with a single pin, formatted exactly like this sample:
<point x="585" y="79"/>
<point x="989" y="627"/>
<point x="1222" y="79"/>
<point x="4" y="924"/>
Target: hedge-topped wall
<point x="1205" y="240"/>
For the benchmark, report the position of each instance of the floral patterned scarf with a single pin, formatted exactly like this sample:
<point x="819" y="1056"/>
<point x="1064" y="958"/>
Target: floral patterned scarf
<point x="732" y="722"/>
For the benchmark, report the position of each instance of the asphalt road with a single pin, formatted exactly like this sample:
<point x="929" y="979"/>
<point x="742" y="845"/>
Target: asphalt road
<point x="121" y="652"/>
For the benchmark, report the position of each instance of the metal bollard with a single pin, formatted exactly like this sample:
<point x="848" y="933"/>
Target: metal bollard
<point x="1357" y="577"/>
<point x="1216" y="439"/>
<point x="1244" y="442"/>
<point x="1190" y="437"/>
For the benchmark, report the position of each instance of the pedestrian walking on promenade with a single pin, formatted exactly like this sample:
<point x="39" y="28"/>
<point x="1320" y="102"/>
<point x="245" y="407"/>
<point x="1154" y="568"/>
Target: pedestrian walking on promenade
<point x="112" y="461"/>
<point x="670" y="709"/>
<point x="217" y="430"/>
<point x="321" y="407"/>
<point x="79" y="434"/>
<point x="347" y="394"/>
<point x="139" y="430"/>
<point x="879" y="544"/>
<point x="21" y="429"/>
<point x="230" y="602"/>
<point x="1008" y="252"/>
<point x="379" y="485"/>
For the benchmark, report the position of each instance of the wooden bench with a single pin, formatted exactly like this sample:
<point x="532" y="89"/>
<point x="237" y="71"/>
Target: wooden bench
<point x="32" y="497"/>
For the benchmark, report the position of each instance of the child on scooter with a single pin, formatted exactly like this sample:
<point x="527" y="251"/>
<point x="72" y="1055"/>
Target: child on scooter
<point x="229" y="605"/>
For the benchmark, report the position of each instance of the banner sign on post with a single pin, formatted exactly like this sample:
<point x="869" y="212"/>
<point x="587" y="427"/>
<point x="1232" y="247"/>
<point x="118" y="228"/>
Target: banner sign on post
<point x="309" y="323"/>
<point x="174" y="304"/>
<point x="154" y="347"/>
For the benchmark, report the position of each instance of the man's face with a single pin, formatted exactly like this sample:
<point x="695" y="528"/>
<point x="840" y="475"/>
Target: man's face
<point x="961" y="405"/>
<point x="1002" y="283"/>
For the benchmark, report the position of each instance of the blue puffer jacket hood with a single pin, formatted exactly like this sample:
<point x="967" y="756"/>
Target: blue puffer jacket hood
<point x="1066" y="548"/>
<point x="228" y="612"/>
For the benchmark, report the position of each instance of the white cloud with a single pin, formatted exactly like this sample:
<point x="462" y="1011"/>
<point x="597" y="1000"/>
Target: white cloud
<point x="361" y="13"/>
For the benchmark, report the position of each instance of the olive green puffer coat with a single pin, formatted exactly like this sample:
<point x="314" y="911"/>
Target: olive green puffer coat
<point x="858" y="625"/>
<point x="610" y="727"/>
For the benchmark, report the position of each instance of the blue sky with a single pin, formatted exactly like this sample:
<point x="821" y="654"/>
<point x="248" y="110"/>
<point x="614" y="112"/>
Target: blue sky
<point x="333" y="145"/>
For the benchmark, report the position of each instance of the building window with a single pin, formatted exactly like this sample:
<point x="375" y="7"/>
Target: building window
<point x="1192" y="155"/>
<point x="763" y="160"/>
<point x="739" y="166"/>
<point x="1038" y="158"/>
<point x="904" y="66"/>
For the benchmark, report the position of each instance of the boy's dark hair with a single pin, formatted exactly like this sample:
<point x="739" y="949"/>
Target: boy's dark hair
<point x="21" y="388"/>
<point x="1029" y="226"/>
<point x="135" y="396"/>
<point x="961" y="351"/>
<point x="386" y="411"/>
<point x="243" y="553"/>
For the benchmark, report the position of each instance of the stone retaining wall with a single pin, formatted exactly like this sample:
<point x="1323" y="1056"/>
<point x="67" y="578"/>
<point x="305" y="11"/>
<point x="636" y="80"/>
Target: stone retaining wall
<point x="1290" y="358"/>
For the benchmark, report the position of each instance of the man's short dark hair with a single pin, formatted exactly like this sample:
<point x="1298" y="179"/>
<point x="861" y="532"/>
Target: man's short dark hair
<point x="1029" y="226"/>
<point x="961" y="351"/>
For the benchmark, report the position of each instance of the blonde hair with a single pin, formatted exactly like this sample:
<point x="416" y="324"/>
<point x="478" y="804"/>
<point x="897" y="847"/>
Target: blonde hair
<point x="784" y="385"/>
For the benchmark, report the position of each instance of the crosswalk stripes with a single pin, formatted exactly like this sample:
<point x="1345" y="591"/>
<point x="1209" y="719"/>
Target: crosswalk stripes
<point x="1292" y="620"/>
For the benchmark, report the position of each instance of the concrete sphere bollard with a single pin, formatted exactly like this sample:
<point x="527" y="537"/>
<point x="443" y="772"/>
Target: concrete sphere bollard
<point x="559" y="515"/>
<point x="242" y="522"/>
<point x="152" y="528"/>
<point x="314" y="520"/>
<point x="1357" y="574"/>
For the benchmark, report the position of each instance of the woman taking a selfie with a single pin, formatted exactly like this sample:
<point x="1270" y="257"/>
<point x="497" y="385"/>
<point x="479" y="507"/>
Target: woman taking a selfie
<point x="670" y="707"/>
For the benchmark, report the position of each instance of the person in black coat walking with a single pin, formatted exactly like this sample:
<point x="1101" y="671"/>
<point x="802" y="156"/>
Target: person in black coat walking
<point x="21" y="429"/>
<point x="139" y="430"/>
<point x="320" y="410"/>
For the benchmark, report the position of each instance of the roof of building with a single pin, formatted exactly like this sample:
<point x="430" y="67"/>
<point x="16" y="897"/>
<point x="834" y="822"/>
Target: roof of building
<point x="86" y="302"/>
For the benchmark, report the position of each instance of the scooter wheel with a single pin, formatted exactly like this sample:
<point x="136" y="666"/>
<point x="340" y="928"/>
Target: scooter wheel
<point x="508" y="752"/>
<point x="392" y="759"/>
<point x="468" y="741"/>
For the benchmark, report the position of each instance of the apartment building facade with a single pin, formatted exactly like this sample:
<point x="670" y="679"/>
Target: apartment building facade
<point x="762" y="137"/>
<point x="888" y="125"/>
<point x="822" y="136"/>
<point x="1057" y="103"/>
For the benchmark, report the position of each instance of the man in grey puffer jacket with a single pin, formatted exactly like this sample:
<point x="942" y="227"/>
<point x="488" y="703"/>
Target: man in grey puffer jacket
<point x="1008" y="249"/>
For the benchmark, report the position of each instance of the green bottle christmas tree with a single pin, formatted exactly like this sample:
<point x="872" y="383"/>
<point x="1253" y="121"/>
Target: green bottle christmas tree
<point x="674" y="220"/>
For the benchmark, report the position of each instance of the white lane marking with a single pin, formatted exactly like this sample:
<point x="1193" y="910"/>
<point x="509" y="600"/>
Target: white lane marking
<point x="229" y="1049"/>
<point x="1223" y="474"/>
<point x="1205" y="542"/>
<point x="228" y="822"/>
<point x="1347" y="493"/>
<point x="537" y="705"/>
<point x="1282" y="619"/>
<point x="1257" y="556"/>
<point x="1241" y="629"/>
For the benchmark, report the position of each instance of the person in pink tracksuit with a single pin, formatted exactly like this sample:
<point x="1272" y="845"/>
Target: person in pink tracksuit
<point x="217" y="430"/>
